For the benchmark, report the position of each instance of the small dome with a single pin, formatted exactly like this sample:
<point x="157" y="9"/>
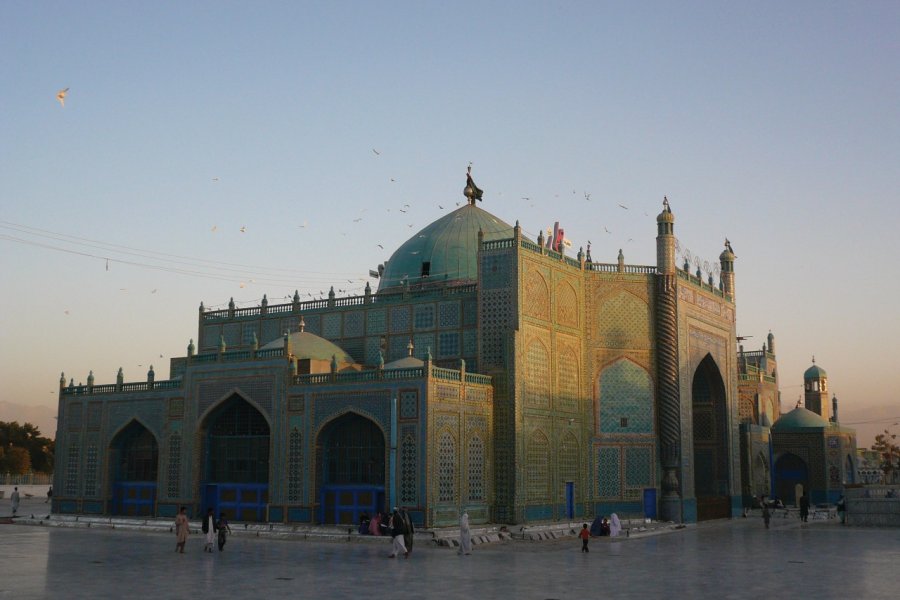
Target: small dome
<point x="815" y="372"/>
<point x="665" y="216"/>
<point x="407" y="362"/>
<point x="306" y="345"/>
<point x="799" y="418"/>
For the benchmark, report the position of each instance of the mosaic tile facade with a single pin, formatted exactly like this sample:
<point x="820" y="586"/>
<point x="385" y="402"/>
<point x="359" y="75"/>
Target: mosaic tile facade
<point x="608" y="473"/>
<point x="447" y="461"/>
<point x="624" y="321"/>
<point x="537" y="295"/>
<point x="448" y="315"/>
<point x="537" y="471"/>
<point x="295" y="466"/>
<point x="476" y="462"/>
<point x="537" y="376"/>
<point x="354" y="324"/>
<point x="173" y="473"/>
<point x="91" y="467"/>
<point x="625" y="393"/>
<point x="566" y="305"/>
<point x="408" y="467"/>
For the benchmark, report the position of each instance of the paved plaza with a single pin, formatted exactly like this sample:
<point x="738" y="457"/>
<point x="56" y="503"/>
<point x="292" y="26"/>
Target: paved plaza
<point x="727" y="559"/>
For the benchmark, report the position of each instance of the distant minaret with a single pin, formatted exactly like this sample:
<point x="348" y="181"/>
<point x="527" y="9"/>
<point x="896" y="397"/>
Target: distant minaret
<point x="726" y="260"/>
<point x="815" y="390"/>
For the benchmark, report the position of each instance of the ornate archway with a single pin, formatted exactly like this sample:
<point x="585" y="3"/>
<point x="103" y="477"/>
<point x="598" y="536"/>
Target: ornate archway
<point x="790" y="470"/>
<point x="134" y="467"/>
<point x="235" y="461"/>
<point x="350" y="467"/>
<point x="710" y="435"/>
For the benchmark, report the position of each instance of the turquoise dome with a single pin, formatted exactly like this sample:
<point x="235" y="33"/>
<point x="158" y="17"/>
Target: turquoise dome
<point x="306" y="345"/>
<point x="815" y="372"/>
<point x="799" y="418"/>
<point x="446" y="249"/>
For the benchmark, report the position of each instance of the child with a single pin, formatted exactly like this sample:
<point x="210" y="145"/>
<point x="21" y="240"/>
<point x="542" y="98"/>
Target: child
<point x="585" y="535"/>
<point x="224" y="530"/>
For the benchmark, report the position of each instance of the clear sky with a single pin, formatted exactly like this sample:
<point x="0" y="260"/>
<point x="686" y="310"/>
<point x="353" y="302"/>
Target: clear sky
<point x="310" y="125"/>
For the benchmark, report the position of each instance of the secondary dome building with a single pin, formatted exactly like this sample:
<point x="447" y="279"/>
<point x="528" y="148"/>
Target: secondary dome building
<point x="488" y="373"/>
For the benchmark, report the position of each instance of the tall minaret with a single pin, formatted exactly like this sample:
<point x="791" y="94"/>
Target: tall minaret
<point x="668" y="399"/>
<point x="815" y="391"/>
<point x="726" y="260"/>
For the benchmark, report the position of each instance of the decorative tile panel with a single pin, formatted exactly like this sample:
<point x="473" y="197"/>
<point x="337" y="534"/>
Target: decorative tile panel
<point x="296" y="403"/>
<point x="95" y="415"/>
<point x="447" y="461"/>
<point x="354" y="324"/>
<point x="448" y="315"/>
<point x="638" y="467"/>
<point x="608" y="472"/>
<point x="448" y="344"/>
<point x="566" y="305"/>
<point x="91" y="468"/>
<point x="373" y="345"/>
<point x="625" y="391"/>
<point x="271" y="331"/>
<point x="74" y="415"/>
<point x="295" y="467"/>
<point x="422" y="343"/>
<point x="624" y="321"/>
<point x="537" y="295"/>
<point x="399" y="319"/>
<point x="72" y="466"/>
<point x="470" y="342"/>
<point x="537" y="471"/>
<point x="537" y="376"/>
<point x="496" y="271"/>
<point x="568" y="371"/>
<point x="376" y="322"/>
<point x="174" y="468"/>
<point x="259" y="390"/>
<point x="331" y="326"/>
<point x="398" y="348"/>
<point x="408" y="467"/>
<point x="176" y="408"/>
<point x="568" y="459"/>
<point x="423" y="316"/>
<point x="470" y="312"/>
<point x="476" y="462"/>
<point x="409" y="404"/>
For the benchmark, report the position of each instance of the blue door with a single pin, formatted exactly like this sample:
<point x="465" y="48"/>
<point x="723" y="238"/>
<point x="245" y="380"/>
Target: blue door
<point x="570" y="500"/>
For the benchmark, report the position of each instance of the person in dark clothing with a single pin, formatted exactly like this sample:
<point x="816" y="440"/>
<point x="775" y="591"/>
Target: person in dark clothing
<point x="224" y="530"/>
<point x="804" y="507"/>
<point x="408" y="530"/>
<point x="396" y="526"/>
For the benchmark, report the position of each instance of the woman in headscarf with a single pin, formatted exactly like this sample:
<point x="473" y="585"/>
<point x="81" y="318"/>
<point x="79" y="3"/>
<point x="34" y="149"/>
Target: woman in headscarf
<point x="615" y="526"/>
<point x="597" y="526"/>
<point x="375" y="525"/>
<point x="465" y="535"/>
<point x="397" y="530"/>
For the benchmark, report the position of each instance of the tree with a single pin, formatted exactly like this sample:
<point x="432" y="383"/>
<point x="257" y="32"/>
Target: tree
<point x="889" y="451"/>
<point x="27" y="438"/>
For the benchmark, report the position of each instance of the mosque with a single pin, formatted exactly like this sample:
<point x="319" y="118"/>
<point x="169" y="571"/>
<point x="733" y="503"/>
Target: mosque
<point x="805" y="450"/>
<point x="489" y="372"/>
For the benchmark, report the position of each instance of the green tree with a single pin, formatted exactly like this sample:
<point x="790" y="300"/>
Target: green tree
<point x="18" y="460"/>
<point x="889" y="451"/>
<point x="28" y="438"/>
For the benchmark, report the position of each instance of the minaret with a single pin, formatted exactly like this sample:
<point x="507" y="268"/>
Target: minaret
<point x="668" y="400"/>
<point x="815" y="391"/>
<point x="726" y="260"/>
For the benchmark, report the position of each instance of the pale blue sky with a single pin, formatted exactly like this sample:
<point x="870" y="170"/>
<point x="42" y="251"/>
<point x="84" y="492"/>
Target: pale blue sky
<point x="775" y="124"/>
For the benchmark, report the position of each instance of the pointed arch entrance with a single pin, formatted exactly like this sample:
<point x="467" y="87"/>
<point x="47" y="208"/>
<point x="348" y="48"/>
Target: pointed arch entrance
<point x="790" y="471"/>
<point x="134" y="466"/>
<point x="235" y="461"/>
<point x="350" y="467"/>
<point x="710" y="435"/>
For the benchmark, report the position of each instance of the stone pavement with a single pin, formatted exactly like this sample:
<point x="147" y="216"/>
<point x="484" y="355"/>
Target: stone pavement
<point x="725" y="559"/>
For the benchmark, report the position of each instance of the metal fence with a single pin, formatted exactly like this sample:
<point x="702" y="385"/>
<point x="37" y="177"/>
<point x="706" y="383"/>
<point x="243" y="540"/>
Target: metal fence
<point x="26" y="479"/>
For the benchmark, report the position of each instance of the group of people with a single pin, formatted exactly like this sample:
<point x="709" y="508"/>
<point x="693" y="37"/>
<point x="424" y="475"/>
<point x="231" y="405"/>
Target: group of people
<point x="601" y="526"/>
<point x="214" y="531"/>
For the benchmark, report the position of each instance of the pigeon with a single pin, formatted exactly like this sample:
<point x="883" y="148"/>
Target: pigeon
<point x="61" y="96"/>
<point x="623" y="206"/>
<point x="377" y="153"/>
<point x="244" y="229"/>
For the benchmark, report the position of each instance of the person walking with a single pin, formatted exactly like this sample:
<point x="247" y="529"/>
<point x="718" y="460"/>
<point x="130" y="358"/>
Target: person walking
<point x="585" y="535"/>
<point x="842" y="508"/>
<point x="49" y="495"/>
<point x="14" y="499"/>
<point x="408" y="530"/>
<point x="465" y="535"/>
<point x="766" y="515"/>
<point x="224" y="530"/>
<point x="395" y="523"/>
<point x="804" y="507"/>
<point x="209" y="528"/>
<point x="182" y="529"/>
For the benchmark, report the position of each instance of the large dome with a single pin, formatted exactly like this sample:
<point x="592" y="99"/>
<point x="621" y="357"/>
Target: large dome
<point x="799" y="418"/>
<point x="444" y="251"/>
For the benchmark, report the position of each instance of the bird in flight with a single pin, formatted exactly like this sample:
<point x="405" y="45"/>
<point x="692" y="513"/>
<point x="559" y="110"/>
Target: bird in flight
<point x="380" y="246"/>
<point x="623" y="206"/>
<point x="302" y="226"/>
<point x="154" y="291"/>
<point x="357" y="220"/>
<point x="243" y="229"/>
<point x="214" y="228"/>
<point x="440" y="207"/>
<point x="377" y="153"/>
<point x="215" y="179"/>
<point x="61" y="96"/>
<point x="606" y="230"/>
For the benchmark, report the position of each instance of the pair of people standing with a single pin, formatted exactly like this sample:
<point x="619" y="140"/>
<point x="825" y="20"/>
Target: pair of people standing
<point x="210" y="528"/>
<point x="402" y="532"/>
